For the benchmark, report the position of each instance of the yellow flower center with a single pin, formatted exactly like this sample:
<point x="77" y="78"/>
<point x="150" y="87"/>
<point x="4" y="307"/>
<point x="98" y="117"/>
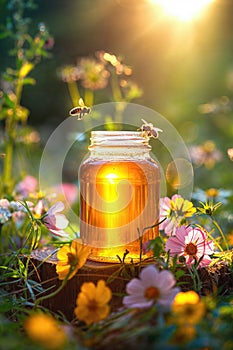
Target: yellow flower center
<point x="152" y="293"/>
<point x="72" y="259"/>
<point x="92" y="305"/>
<point x="212" y="192"/>
<point x="191" y="249"/>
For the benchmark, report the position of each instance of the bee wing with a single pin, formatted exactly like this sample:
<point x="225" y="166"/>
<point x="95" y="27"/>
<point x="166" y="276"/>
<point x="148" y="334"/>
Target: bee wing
<point x="144" y="121"/>
<point x="146" y="124"/>
<point x="157" y="129"/>
<point x="81" y="102"/>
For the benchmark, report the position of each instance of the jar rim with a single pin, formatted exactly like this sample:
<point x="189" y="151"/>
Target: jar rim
<point x="115" y="132"/>
<point x="119" y="138"/>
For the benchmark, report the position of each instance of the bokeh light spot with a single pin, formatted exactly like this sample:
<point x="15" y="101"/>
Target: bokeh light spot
<point x="179" y="173"/>
<point x="183" y="10"/>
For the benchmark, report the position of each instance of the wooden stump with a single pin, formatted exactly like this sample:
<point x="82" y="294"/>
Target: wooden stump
<point x="217" y="278"/>
<point x="44" y="261"/>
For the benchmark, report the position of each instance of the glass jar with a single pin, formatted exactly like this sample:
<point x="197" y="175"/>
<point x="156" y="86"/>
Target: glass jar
<point x="119" y="195"/>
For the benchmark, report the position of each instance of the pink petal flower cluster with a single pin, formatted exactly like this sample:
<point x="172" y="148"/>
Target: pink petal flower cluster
<point x="68" y="190"/>
<point x="192" y="243"/>
<point x="152" y="287"/>
<point x="174" y="210"/>
<point x="26" y="186"/>
<point x="56" y="223"/>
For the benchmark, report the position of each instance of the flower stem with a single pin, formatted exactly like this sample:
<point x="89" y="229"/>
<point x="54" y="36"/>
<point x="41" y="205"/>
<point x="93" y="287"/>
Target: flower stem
<point x="117" y="97"/>
<point x="10" y="133"/>
<point x="38" y="301"/>
<point x="53" y="294"/>
<point x="74" y="92"/>
<point x="89" y="98"/>
<point x="7" y="166"/>
<point x="116" y="92"/>
<point x="89" y="101"/>
<point x="215" y="242"/>
<point x="221" y="232"/>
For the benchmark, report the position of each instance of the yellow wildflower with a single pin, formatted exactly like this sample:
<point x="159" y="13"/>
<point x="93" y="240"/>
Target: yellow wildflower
<point x="92" y="302"/>
<point x="184" y="334"/>
<point x="208" y="208"/>
<point x="44" y="330"/>
<point x="71" y="259"/>
<point x="188" y="308"/>
<point x="175" y="211"/>
<point x="182" y="207"/>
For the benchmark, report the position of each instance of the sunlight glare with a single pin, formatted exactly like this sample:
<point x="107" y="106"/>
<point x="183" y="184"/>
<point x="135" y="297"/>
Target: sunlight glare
<point x="184" y="10"/>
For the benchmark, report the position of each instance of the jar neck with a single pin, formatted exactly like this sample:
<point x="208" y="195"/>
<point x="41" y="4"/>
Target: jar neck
<point x="117" y="143"/>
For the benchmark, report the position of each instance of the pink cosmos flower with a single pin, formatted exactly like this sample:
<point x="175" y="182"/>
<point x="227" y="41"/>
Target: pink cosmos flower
<point x="55" y="222"/>
<point x="152" y="286"/>
<point x="27" y="185"/>
<point x="191" y="243"/>
<point x="39" y="209"/>
<point x="175" y="211"/>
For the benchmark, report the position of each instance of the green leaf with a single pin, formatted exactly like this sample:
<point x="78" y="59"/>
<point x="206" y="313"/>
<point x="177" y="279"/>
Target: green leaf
<point x="3" y="114"/>
<point x="10" y="272"/>
<point x="5" y="305"/>
<point x="30" y="290"/>
<point x="8" y="77"/>
<point x="114" y="275"/>
<point x="157" y="246"/>
<point x="4" y="35"/>
<point x="179" y="273"/>
<point x="8" y="100"/>
<point x="21" y="267"/>
<point x="29" y="81"/>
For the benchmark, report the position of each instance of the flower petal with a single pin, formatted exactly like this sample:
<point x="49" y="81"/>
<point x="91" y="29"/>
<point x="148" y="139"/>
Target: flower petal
<point x="148" y="275"/>
<point x="103" y="293"/>
<point x="61" y="221"/>
<point x="57" y="207"/>
<point x="132" y="301"/>
<point x="135" y="286"/>
<point x="165" y="280"/>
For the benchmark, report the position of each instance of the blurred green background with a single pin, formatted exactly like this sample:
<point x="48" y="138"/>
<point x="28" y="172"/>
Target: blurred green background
<point x="185" y="69"/>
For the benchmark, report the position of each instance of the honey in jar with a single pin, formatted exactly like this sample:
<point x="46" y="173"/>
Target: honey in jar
<point x="119" y="195"/>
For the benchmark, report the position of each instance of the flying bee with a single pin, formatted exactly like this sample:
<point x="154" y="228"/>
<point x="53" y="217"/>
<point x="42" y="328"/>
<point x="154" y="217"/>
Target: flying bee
<point x="80" y="111"/>
<point x="149" y="130"/>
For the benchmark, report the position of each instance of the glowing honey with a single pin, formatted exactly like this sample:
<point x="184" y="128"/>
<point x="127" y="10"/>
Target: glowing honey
<point x="119" y="195"/>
